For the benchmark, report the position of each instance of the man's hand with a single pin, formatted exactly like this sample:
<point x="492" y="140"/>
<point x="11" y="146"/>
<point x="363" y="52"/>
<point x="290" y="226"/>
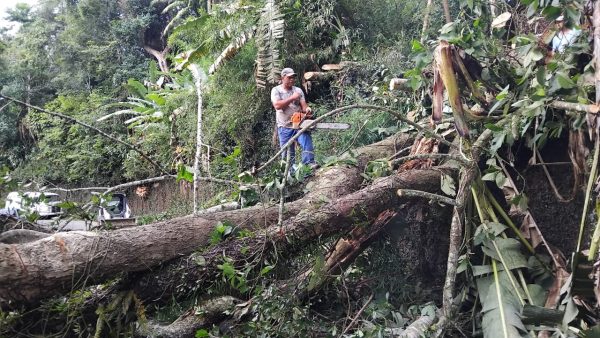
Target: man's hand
<point x="308" y="112"/>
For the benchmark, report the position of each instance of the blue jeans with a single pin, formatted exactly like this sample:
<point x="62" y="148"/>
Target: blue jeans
<point x="305" y="140"/>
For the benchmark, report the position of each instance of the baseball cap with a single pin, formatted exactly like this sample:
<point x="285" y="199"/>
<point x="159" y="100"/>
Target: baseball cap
<point x="560" y="18"/>
<point x="287" y="72"/>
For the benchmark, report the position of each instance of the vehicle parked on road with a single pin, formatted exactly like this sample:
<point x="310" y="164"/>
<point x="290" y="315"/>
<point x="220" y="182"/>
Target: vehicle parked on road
<point x="45" y="204"/>
<point x="116" y="210"/>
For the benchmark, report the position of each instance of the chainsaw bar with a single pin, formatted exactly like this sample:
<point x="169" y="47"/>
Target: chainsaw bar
<point x="325" y="125"/>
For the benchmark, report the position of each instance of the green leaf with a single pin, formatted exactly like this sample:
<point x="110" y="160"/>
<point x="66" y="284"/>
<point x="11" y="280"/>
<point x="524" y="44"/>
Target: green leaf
<point x="552" y="12"/>
<point x="156" y="98"/>
<point x="479" y="270"/>
<point x="191" y="57"/>
<point x="266" y="270"/>
<point x="503" y="94"/>
<point x="202" y="333"/>
<point x="499" y="300"/>
<point x="541" y="76"/>
<point x="538" y="294"/>
<point x="510" y="249"/>
<point x="199" y="259"/>
<point x="521" y="201"/>
<point x="246" y="177"/>
<point x="463" y="264"/>
<point x="185" y="173"/>
<point x="497" y="141"/>
<point x="493" y="127"/>
<point x="500" y="179"/>
<point x="564" y="81"/>
<point x="227" y="269"/>
<point x="489" y="176"/>
<point x="496" y="228"/>
<point x="571" y="311"/>
<point x="136" y="88"/>
<point x="417" y="46"/>
<point x="317" y="272"/>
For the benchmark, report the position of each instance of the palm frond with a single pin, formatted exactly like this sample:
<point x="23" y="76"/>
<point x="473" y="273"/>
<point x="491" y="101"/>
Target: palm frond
<point x="231" y="50"/>
<point x="175" y="19"/>
<point x="170" y="6"/>
<point x="156" y="2"/>
<point x="271" y="26"/>
<point x="118" y="113"/>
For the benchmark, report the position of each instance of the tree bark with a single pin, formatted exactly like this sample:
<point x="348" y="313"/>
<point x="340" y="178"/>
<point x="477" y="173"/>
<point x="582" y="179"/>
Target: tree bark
<point x="447" y="11"/>
<point x="426" y="20"/>
<point x="161" y="58"/>
<point x="210" y="312"/>
<point x="196" y="72"/>
<point x="67" y="261"/>
<point x="317" y="76"/>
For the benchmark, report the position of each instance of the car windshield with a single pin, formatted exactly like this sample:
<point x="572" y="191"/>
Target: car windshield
<point x="52" y="198"/>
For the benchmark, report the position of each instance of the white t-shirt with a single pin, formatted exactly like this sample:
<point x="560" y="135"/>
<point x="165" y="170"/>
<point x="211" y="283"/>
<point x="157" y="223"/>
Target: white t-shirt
<point x="563" y="39"/>
<point x="284" y="116"/>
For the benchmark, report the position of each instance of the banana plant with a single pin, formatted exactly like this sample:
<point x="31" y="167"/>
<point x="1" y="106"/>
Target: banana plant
<point x="265" y="26"/>
<point x="181" y="8"/>
<point x="145" y="106"/>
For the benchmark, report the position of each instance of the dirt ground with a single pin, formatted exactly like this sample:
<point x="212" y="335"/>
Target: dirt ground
<point x="558" y="221"/>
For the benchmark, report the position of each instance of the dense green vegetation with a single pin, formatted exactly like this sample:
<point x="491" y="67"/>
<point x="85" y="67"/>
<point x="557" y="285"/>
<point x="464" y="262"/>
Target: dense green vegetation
<point x="76" y="58"/>
<point x="125" y="67"/>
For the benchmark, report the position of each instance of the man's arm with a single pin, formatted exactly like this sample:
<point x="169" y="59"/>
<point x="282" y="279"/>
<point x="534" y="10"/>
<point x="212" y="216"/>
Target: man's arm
<point x="283" y="103"/>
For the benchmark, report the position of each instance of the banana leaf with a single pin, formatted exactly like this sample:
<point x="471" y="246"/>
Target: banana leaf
<point x="501" y="307"/>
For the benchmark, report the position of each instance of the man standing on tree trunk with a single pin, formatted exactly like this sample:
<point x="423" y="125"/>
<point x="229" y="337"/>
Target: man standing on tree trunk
<point x="288" y="99"/>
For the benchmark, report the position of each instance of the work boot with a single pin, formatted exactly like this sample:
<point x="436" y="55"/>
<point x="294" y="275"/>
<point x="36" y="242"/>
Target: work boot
<point x="314" y="166"/>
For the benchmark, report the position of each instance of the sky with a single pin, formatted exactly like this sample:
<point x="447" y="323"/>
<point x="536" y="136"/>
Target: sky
<point x="7" y="4"/>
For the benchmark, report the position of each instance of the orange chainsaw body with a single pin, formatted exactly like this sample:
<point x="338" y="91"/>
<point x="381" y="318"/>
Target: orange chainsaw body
<point x="297" y="119"/>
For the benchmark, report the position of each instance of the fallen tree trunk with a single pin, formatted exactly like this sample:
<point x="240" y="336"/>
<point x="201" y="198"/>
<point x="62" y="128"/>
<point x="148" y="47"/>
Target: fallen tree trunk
<point x="361" y="207"/>
<point x="66" y="261"/>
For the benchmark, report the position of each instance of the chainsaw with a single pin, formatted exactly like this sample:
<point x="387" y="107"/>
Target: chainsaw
<point x="301" y="120"/>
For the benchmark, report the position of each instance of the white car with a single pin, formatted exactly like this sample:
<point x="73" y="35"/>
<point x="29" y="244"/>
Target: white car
<point x="116" y="208"/>
<point x="44" y="204"/>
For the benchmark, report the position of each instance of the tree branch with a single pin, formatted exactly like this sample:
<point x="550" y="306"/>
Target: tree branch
<point x="427" y="195"/>
<point x="145" y="181"/>
<point x="427" y="156"/>
<point x="580" y="107"/>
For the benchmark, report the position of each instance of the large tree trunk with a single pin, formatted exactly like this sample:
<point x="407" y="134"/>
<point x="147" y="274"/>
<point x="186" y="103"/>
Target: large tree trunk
<point x="160" y="56"/>
<point x="67" y="261"/>
<point x="337" y="217"/>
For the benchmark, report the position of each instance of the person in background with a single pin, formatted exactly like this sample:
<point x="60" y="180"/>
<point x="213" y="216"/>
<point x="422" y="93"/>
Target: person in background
<point x="564" y="37"/>
<point x="288" y="99"/>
